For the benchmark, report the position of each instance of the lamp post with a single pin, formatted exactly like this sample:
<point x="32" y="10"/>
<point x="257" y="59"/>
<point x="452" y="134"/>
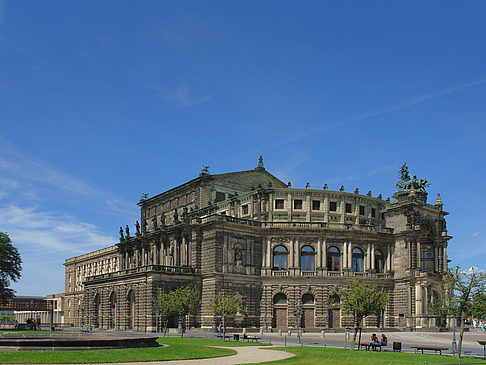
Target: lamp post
<point x="454" y="344"/>
<point x="298" y="314"/>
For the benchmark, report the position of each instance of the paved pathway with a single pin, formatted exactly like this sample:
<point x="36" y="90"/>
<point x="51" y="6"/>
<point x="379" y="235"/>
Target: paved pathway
<point x="245" y="355"/>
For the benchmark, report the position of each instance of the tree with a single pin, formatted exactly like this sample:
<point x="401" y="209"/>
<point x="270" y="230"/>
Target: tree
<point x="10" y="266"/>
<point x="180" y="301"/>
<point x="479" y="305"/>
<point x="362" y="300"/>
<point x="461" y="288"/>
<point x="227" y="306"/>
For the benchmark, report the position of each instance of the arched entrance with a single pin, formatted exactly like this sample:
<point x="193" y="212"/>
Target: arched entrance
<point x="113" y="310"/>
<point x="279" y="311"/>
<point x="97" y="311"/>
<point x="131" y="309"/>
<point x="334" y="312"/>
<point x="308" y="312"/>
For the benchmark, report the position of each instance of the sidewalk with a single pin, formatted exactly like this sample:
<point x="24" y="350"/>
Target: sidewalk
<point x="245" y="355"/>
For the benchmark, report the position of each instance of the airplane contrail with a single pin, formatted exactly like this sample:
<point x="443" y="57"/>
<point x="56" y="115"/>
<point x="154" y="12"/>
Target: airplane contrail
<point x="365" y="115"/>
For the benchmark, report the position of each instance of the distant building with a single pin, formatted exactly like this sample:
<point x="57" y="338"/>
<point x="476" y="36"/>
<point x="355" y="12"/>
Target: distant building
<point x="250" y="232"/>
<point x="25" y="308"/>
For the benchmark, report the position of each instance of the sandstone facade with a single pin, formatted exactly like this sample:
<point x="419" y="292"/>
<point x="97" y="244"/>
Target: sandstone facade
<point x="276" y="245"/>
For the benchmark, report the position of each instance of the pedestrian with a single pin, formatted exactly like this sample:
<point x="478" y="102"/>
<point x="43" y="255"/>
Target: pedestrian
<point x="219" y="329"/>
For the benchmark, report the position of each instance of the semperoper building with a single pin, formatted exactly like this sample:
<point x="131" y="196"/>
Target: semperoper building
<point x="276" y="245"/>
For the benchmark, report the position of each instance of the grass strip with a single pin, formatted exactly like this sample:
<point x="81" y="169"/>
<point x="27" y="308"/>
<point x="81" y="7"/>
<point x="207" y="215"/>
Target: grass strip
<point x="319" y="355"/>
<point x="178" y="349"/>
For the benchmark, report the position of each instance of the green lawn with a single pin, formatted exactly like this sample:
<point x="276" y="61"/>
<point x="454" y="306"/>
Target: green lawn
<point x="319" y="355"/>
<point x="178" y="349"/>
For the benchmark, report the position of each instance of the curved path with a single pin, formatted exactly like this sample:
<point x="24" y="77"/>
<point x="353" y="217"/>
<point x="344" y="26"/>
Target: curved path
<point x="245" y="355"/>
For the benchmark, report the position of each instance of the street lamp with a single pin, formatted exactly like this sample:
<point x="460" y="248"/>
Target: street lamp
<point x="454" y="344"/>
<point x="298" y="315"/>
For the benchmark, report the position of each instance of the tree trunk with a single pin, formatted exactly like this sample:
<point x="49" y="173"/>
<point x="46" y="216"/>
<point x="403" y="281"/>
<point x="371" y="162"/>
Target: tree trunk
<point x="180" y="325"/>
<point x="354" y="338"/>
<point x="461" y="335"/>
<point x="224" y="328"/>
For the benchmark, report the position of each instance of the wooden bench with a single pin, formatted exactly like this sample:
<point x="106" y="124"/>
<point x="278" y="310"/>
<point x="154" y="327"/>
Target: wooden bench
<point x="374" y="347"/>
<point x="226" y="337"/>
<point x="429" y="348"/>
<point x="251" y="338"/>
<point x="483" y="343"/>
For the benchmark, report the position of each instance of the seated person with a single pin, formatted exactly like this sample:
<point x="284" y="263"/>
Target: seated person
<point x="384" y="340"/>
<point x="374" y="341"/>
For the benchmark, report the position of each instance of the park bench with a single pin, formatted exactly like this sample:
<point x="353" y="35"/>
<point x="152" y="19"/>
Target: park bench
<point x="374" y="347"/>
<point x="429" y="348"/>
<point x="249" y="338"/>
<point x="226" y="337"/>
<point x="483" y="343"/>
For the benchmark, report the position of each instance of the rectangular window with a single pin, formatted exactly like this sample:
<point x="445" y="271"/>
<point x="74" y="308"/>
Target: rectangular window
<point x="348" y="208"/>
<point x="244" y="209"/>
<point x="279" y="204"/>
<point x="297" y="204"/>
<point x="383" y="216"/>
<point x="220" y="196"/>
<point x="373" y="212"/>
<point x="361" y="210"/>
<point x="316" y="205"/>
<point x="332" y="206"/>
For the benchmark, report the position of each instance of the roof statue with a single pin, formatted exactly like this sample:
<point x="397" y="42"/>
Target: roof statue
<point x="260" y="162"/>
<point x="407" y="183"/>
<point x="205" y="169"/>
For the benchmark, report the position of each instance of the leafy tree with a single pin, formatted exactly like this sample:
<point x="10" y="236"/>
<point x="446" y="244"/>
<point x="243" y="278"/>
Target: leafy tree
<point x="362" y="300"/>
<point x="479" y="305"/>
<point x="10" y="266"/>
<point x="180" y="301"/>
<point x="227" y="306"/>
<point x="461" y="288"/>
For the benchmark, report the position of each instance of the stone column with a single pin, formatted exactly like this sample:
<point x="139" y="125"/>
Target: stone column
<point x="324" y="253"/>
<point x="419" y="263"/>
<point x="389" y="258"/>
<point x="418" y="299"/>
<point x="269" y="253"/>
<point x="345" y="256"/>
<point x="372" y="258"/>
<point x="445" y="259"/>
<point x="291" y="253"/>
<point x="436" y="258"/>
<point x="296" y="253"/>
<point x="290" y="206"/>
<point x="350" y="255"/>
<point x="318" y="259"/>
<point x="308" y="212"/>
<point x="252" y="205"/>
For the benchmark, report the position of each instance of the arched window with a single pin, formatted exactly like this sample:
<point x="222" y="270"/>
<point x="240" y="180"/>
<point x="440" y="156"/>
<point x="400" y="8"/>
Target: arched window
<point x="334" y="299"/>
<point x="97" y="310"/>
<point x="379" y="261"/>
<point x="307" y="299"/>
<point x="131" y="310"/>
<point x="357" y="260"/>
<point x="280" y="255"/>
<point x="112" y="309"/>
<point x="427" y="258"/>
<point x="333" y="259"/>
<point x="307" y="258"/>
<point x="280" y="298"/>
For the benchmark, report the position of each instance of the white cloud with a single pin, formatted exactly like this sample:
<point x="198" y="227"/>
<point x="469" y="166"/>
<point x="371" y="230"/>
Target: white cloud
<point x="45" y="240"/>
<point x="182" y="96"/>
<point x="476" y="234"/>
<point x="35" y="230"/>
<point x="28" y="175"/>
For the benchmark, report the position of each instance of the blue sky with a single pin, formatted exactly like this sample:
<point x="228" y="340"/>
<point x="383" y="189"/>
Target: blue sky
<point x="101" y="101"/>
